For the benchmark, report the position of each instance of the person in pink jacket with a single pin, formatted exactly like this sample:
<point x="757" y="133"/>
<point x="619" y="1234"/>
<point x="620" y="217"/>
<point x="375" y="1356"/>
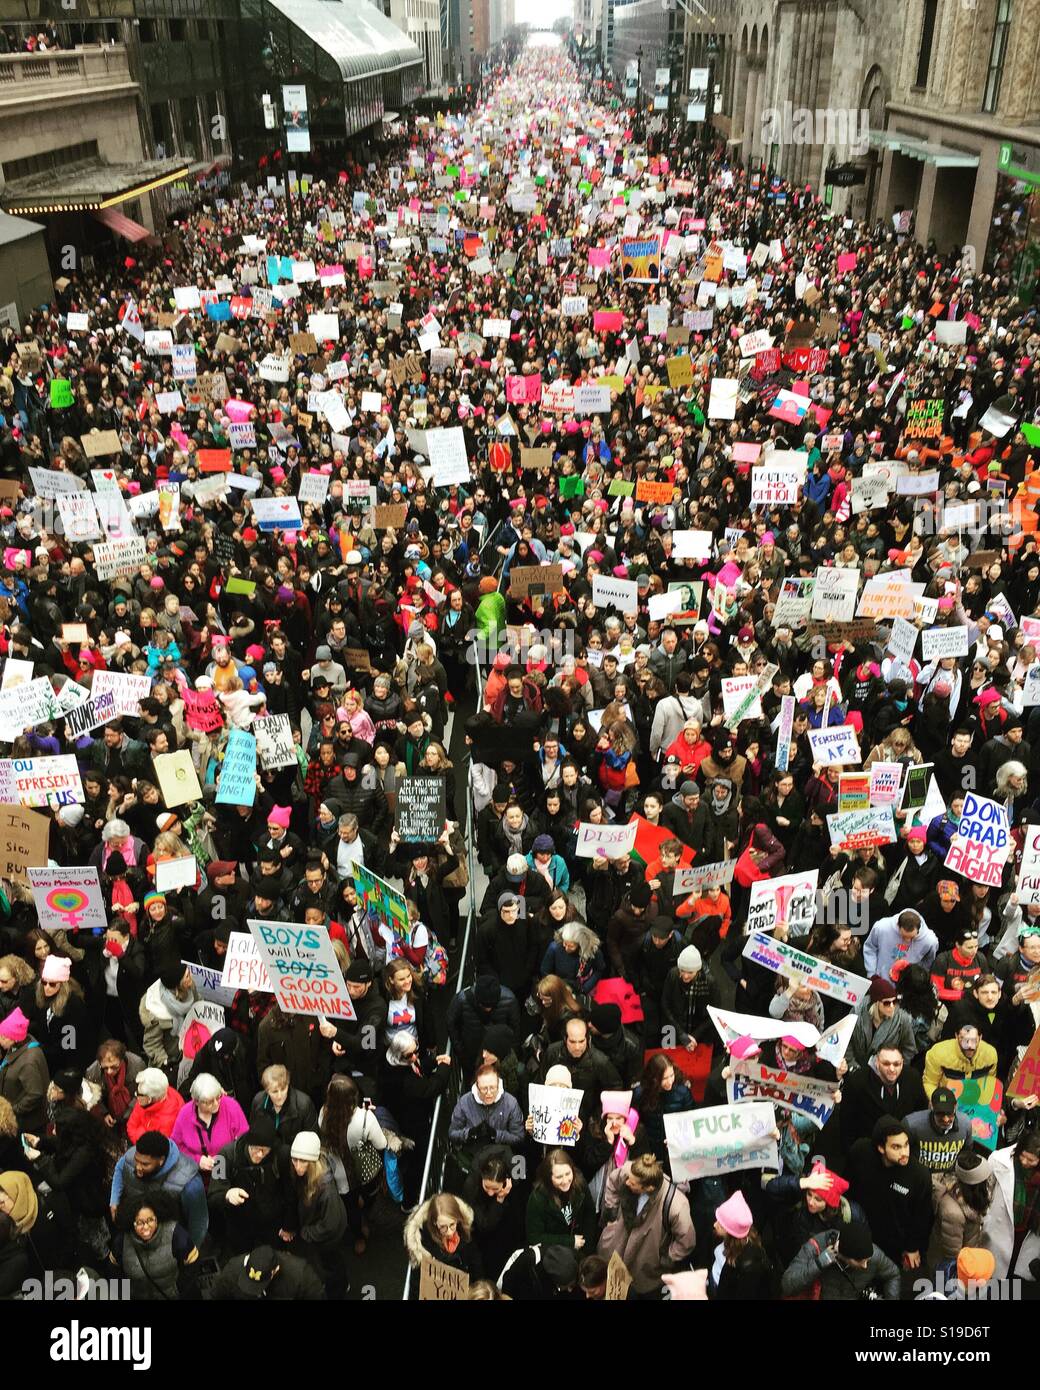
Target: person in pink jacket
<point x="211" y="1120"/>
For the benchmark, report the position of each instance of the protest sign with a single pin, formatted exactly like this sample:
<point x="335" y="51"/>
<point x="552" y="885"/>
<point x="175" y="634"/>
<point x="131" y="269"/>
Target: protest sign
<point x="915" y="787"/>
<point x="902" y="640"/>
<point x="68" y="899"/>
<point x="554" y="1110"/>
<point x="852" y="830"/>
<point x="622" y="594"/>
<point x="924" y="418"/>
<point x="420" y="809"/>
<point x="525" y="580"/>
<point x="784" y="959"/>
<point x="619" y="1281"/>
<point x="605" y="841"/>
<point x="740" y="693"/>
<point x="236" y="780"/>
<point x="834" y="1042"/>
<point x="853" y="791"/>
<point x="314" y="487"/>
<point x="277" y="513"/>
<point x="834" y="595"/>
<point x="41" y="781"/>
<point x="791" y="898"/>
<point x="206" y="1012"/>
<point x="696" y="878"/>
<point x="776" y="484"/>
<point x="640" y="261"/>
<point x="128" y="691"/>
<point x="982" y="841"/>
<point x="885" y="782"/>
<point x="783" y="735"/>
<point x="447" y="454"/>
<point x="836" y="746"/>
<point x="1026" y="1080"/>
<point x="114" y="558"/>
<point x="207" y="981"/>
<point x="1028" y="885"/>
<point x="24" y="706"/>
<point x="24" y="837"/>
<point x="794" y="602"/>
<point x="79" y="518"/>
<point x="201" y="710"/>
<point x="274" y="742"/>
<point x="441" y="1283"/>
<point x="731" y="1025"/>
<point x="802" y="1095"/>
<point x="887" y="597"/>
<point x="178" y="780"/>
<point x="304" y="971"/>
<point x="381" y="899"/>
<point x="90" y="714"/>
<point x="720" y="1139"/>
<point x="244" y="965"/>
<point x="940" y="642"/>
<point x="174" y="874"/>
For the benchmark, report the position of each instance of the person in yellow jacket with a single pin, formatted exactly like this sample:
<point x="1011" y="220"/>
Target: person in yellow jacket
<point x="958" y="1058"/>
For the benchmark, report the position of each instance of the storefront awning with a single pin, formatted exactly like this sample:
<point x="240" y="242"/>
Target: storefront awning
<point x="88" y="185"/>
<point x="942" y="156"/>
<point x="358" y="38"/>
<point x="122" y="226"/>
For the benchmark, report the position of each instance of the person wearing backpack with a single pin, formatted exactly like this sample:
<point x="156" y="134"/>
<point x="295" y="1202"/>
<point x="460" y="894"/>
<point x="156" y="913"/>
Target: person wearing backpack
<point x="647" y="1222"/>
<point x="841" y="1266"/>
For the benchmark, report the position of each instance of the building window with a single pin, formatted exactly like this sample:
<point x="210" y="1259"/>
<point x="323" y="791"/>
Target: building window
<point x="997" y="53"/>
<point x="49" y="159"/>
<point x="924" y="57"/>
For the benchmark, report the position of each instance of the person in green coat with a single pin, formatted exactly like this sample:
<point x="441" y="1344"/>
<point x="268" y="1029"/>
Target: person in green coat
<point x="560" y="1209"/>
<point x="490" y="616"/>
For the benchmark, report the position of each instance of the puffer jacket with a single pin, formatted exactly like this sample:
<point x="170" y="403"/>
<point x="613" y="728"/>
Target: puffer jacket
<point x="499" y="1123"/>
<point x="956" y="1225"/>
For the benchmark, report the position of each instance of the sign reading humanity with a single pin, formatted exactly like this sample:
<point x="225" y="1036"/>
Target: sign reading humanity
<point x="720" y="1139"/>
<point x="821" y="975"/>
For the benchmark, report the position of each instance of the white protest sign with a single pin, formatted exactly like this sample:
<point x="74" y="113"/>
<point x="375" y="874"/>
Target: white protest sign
<point x="115" y="558"/>
<point x="982" y="842"/>
<point x="720" y="1139"/>
<point x="610" y="841"/>
<point x="305" y="974"/>
<point x="837" y="746"/>
<point x="903" y="640"/>
<point x="173" y="874"/>
<point x="821" y="975"/>
<point x="834" y="595"/>
<point x="128" y="690"/>
<point x="274" y="742"/>
<point x="885" y="782"/>
<point x="940" y="642"/>
<point x="791" y="898"/>
<point x="554" y="1110"/>
<point x="448" y="461"/>
<point x="622" y="594"/>
<point x="244" y="966"/>
<point x="1028" y="885"/>
<point x="79" y="517"/>
<point x="314" y="487"/>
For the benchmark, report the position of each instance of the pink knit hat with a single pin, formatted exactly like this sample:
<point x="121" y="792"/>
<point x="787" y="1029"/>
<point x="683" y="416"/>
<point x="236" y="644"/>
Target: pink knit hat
<point x="279" y="815"/>
<point x="734" y="1216"/>
<point x="15" y="1026"/>
<point x="56" y="970"/>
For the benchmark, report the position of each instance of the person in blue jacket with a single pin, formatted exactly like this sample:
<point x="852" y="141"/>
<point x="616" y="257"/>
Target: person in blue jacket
<point x="155" y="1163"/>
<point x="942" y="828"/>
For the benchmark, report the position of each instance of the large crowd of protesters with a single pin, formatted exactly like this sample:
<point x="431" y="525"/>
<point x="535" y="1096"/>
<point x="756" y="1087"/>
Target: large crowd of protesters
<point x="258" y="1154"/>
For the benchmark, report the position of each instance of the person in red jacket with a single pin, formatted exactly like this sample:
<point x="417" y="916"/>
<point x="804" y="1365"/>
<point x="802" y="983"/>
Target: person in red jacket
<point x="954" y="972"/>
<point x="157" y="1105"/>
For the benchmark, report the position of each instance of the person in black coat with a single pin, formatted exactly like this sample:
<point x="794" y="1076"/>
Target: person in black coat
<point x="265" y="1273"/>
<point x="60" y="1021"/>
<point x="895" y="1192"/>
<point x="72" y="1159"/>
<point x="543" y="1272"/>
<point x="473" y="1011"/>
<point x="409" y="1084"/>
<point x="498" y="1207"/>
<point x="507" y="946"/>
<point x="125" y="970"/>
<point x="885" y="1086"/>
<point x="250" y="1195"/>
<point x="359" y="1040"/>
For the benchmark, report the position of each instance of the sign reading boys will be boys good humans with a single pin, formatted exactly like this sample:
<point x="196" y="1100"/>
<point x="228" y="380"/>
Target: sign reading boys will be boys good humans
<point x="304" y="971"/>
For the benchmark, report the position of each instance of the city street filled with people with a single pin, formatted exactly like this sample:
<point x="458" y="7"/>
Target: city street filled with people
<point x="521" y="721"/>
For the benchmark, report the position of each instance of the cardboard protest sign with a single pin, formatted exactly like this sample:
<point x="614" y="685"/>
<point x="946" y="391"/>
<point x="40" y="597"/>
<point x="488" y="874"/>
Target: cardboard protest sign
<point x="837" y="746"/>
<point x="24" y="837"/>
<point x="304" y="971"/>
<point x="535" y="579"/>
<point x="790" y="898"/>
<point x="178" y="780"/>
<point x="236" y="780"/>
<point x="441" y="1283"/>
<point x="784" y="959"/>
<point x="802" y="1095"/>
<point x="982" y="842"/>
<point x="619" y="1281"/>
<point x="51" y="781"/>
<point x="554" y="1110"/>
<point x="274" y="742"/>
<point x="421" y="809"/>
<point x="606" y="841"/>
<point x="720" y="1139"/>
<point x="245" y="966"/>
<point x="68" y="899"/>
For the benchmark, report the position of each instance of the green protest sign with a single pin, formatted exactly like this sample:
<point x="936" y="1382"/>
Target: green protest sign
<point x="61" y="393"/>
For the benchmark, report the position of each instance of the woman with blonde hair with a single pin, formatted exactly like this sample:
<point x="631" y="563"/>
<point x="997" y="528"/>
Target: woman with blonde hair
<point x="443" y="1227"/>
<point x="405" y="1001"/>
<point x="897" y="747"/>
<point x="17" y="986"/>
<point x="60" y="1021"/>
<point x="557" y="1003"/>
<point x="319" y="1222"/>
